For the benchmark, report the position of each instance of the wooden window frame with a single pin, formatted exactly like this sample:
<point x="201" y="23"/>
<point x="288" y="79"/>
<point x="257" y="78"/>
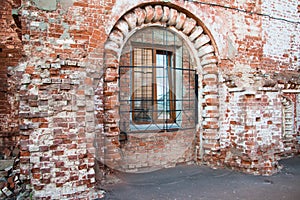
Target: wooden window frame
<point x="171" y="82"/>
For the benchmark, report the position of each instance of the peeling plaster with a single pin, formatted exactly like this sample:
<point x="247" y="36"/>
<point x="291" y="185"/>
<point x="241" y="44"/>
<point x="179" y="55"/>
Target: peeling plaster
<point x="48" y="5"/>
<point x="66" y="4"/>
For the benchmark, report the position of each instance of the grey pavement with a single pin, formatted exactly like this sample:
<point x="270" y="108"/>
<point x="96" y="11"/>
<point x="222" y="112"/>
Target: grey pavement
<point x="191" y="182"/>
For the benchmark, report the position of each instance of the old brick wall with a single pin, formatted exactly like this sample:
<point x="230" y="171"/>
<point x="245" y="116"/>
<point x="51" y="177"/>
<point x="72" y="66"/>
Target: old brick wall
<point x="144" y="152"/>
<point x="10" y="56"/>
<point x="281" y="48"/>
<point x="249" y="60"/>
<point x="180" y="23"/>
<point x="57" y="96"/>
<point x="68" y="94"/>
<point x="253" y="139"/>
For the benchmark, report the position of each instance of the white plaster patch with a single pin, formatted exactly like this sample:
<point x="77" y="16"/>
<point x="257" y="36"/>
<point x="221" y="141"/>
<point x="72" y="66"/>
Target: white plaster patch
<point x="243" y="75"/>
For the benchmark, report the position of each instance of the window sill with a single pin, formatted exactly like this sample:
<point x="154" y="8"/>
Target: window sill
<point x="154" y="127"/>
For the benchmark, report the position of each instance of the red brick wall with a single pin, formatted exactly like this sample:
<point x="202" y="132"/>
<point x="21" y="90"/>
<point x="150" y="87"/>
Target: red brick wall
<point x="147" y="16"/>
<point x="69" y="84"/>
<point x="57" y="97"/>
<point x="254" y="133"/>
<point x="10" y="56"/>
<point x="243" y="52"/>
<point x="152" y="151"/>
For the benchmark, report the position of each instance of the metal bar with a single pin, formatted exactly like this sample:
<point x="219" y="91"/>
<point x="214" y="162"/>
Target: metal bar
<point x="181" y="69"/>
<point x="165" y="125"/>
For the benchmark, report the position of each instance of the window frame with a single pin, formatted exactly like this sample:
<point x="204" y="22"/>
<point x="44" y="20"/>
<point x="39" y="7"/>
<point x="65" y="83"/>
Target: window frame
<point x="171" y="55"/>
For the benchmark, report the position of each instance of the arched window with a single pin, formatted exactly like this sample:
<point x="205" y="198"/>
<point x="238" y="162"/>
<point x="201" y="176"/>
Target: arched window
<point x="157" y="82"/>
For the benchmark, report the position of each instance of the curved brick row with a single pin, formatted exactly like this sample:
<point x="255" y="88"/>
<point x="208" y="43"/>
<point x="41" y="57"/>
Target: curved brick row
<point x="202" y="40"/>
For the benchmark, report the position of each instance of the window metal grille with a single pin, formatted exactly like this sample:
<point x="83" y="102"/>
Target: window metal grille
<point x="140" y="118"/>
<point x="158" y="83"/>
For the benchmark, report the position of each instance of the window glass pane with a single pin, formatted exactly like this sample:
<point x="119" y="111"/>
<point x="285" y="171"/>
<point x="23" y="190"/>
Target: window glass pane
<point x="162" y="87"/>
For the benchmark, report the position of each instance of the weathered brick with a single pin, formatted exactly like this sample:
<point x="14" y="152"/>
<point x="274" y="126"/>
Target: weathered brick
<point x="158" y="13"/>
<point x="180" y="21"/>
<point x="67" y="89"/>
<point x="149" y="14"/>
<point x="173" y="17"/>
<point x="141" y="15"/>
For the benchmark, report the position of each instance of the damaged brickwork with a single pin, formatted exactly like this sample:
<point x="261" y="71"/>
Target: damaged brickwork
<point x="11" y="49"/>
<point x="59" y="74"/>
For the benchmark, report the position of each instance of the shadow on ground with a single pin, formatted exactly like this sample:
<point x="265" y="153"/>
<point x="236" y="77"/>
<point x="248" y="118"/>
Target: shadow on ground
<point x="203" y="183"/>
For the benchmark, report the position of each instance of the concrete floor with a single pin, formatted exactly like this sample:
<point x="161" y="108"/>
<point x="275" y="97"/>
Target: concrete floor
<point x="200" y="182"/>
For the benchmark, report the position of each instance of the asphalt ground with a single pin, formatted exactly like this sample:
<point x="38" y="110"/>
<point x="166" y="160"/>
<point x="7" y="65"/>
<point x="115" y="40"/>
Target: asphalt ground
<point x="192" y="182"/>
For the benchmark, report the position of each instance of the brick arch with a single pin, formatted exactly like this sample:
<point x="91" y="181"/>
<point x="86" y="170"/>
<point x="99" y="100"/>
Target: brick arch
<point x="202" y="44"/>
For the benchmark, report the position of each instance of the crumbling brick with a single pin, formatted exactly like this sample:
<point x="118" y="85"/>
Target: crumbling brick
<point x="59" y="88"/>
